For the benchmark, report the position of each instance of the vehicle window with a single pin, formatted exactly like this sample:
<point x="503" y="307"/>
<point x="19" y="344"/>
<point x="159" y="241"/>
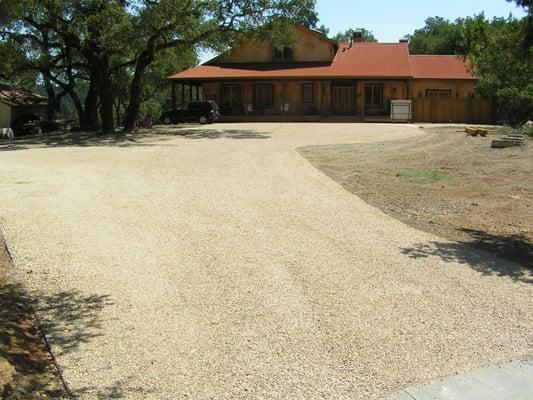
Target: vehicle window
<point x="193" y="106"/>
<point x="182" y="107"/>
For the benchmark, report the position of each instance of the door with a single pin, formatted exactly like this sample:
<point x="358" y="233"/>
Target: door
<point x="439" y="105"/>
<point x="343" y="100"/>
<point x="374" y="102"/>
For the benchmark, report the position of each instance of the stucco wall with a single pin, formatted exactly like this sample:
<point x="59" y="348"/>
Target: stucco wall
<point x="465" y="88"/>
<point x="309" y="47"/>
<point x="5" y="115"/>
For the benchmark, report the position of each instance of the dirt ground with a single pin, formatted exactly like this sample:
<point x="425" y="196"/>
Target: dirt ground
<point x="216" y="262"/>
<point x="26" y="368"/>
<point x="445" y="183"/>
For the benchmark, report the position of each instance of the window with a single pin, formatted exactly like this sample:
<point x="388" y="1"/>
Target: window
<point x="374" y="95"/>
<point x="284" y="54"/>
<point x="263" y="95"/>
<point x="194" y="106"/>
<point x="307" y="93"/>
<point x="438" y="93"/>
<point x="231" y="95"/>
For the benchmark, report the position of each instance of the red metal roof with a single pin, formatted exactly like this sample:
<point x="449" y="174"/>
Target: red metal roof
<point x="439" y="67"/>
<point x="362" y="60"/>
<point x="18" y="96"/>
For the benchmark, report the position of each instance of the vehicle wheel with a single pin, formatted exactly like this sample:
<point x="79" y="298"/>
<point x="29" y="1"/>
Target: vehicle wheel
<point x="203" y="119"/>
<point x="210" y="120"/>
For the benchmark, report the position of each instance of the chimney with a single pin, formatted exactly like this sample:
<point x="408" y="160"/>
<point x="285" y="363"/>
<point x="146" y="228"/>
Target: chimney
<point x="357" y="36"/>
<point x="404" y="39"/>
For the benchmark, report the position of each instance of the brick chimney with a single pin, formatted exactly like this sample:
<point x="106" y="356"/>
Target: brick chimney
<point x="357" y="36"/>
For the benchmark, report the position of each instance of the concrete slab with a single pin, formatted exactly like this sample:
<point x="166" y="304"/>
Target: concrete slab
<point x="513" y="381"/>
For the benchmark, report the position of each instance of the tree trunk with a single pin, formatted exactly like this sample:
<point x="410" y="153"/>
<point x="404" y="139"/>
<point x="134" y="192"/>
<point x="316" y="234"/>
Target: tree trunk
<point x="132" y="112"/>
<point x="91" y="106"/>
<point x="51" y="111"/>
<point x="104" y="85"/>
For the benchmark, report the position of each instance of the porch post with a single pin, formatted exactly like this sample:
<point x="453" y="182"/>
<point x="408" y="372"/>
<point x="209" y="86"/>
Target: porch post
<point x="173" y="95"/>
<point x="363" y="100"/>
<point x="283" y="101"/>
<point x="182" y="93"/>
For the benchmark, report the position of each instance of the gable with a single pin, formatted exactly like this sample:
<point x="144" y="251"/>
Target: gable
<point x="310" y="46"/>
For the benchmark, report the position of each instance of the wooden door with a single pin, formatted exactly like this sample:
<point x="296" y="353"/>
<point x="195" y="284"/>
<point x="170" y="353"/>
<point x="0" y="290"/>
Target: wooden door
<point x="343" y="100"/>
<point x="439" y="105"/>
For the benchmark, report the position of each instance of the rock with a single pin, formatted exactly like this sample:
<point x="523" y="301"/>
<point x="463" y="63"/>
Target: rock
<point x="7" y="372"/>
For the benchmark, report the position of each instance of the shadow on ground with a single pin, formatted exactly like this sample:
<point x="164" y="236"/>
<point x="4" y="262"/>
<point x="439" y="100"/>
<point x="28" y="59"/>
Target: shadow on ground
<point x="21" y="345"/>
<point x="118" y="390"/>
<point x="515" y="248"/>
<point x="70" y="318"/>
<point x="142" y="137"/>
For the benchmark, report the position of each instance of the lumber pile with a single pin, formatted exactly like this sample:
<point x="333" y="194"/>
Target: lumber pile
<point x="513" y="139"/>
<point x="471" y="131"/>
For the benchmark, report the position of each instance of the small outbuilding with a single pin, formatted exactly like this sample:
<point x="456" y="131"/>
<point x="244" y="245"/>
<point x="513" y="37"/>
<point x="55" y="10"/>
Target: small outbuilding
<point x="17" y="102"/>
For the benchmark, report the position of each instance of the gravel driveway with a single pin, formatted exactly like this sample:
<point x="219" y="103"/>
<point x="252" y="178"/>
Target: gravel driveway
<point x="220" y="264"/>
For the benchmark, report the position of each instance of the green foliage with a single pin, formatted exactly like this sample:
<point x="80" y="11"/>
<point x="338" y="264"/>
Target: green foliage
<point x="438" y="36"/>
<point x="504" y="67"/>
<point x="346" y="36"/>
<point x="423" y="175"/>
<point x="527" y="130"/>
<point x="125" y="49"/>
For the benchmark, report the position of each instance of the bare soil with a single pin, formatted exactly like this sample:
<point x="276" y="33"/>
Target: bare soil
<point x="26" y="367"/>
<point x="446" y="183"/>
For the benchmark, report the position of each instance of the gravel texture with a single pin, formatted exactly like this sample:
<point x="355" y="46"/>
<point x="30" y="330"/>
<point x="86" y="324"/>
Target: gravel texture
<point x="216" y="262"/>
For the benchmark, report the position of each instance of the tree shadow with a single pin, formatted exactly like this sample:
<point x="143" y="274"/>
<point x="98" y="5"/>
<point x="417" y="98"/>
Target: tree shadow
<point x="118" y="390"/>
<point x="70" y="318"/>
<point x="225" y="133"/>
<point x="21" y="345"/>
<point x="139" y="138"/>
<point x="516" y="249"/>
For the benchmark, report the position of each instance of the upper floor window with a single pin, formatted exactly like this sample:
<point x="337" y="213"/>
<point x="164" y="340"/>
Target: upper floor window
<point x="283" y="54"/>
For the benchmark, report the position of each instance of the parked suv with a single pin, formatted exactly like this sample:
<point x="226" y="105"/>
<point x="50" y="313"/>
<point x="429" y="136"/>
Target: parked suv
<point x="204" y="112"/>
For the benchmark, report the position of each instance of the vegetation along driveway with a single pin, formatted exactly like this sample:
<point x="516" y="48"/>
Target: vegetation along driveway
<point x="217" y="262"/>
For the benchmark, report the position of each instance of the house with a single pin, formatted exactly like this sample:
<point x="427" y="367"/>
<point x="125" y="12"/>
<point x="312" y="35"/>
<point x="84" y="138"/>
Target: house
<point x="322" y="80"/>
<point x="17" y="102"/>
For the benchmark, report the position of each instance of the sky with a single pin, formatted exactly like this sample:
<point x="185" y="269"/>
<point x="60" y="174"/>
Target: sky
<point x="391" y="19"/>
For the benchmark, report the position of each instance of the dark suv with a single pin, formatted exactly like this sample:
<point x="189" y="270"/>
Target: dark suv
<point x="204" y="112"/>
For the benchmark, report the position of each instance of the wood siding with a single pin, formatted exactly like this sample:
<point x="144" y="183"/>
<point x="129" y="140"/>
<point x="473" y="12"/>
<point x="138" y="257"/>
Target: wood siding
<point x="5" y="115"/>
<point x="309" y="47"/>
<point x="445" y="110"/>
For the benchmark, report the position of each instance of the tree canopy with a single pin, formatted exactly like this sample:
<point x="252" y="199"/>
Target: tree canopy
<point x="114" y="48"/>
<point x="347" y="35"/>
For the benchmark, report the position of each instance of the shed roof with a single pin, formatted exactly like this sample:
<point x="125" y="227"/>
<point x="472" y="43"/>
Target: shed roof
<point x="361" y="60"/>
<point x="439" y="67"/>
<point x="18" y="96"/>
